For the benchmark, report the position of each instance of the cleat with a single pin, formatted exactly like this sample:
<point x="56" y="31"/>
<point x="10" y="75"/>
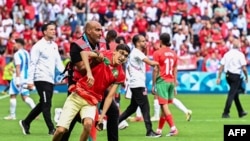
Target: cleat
<point x="123" y="125"/>
<point x="10" y="118"/>
<point x="154" y="118"/>
<point x="153" y="134"/>
<point x="189" y="115"/>
<point x="172" y="133"/>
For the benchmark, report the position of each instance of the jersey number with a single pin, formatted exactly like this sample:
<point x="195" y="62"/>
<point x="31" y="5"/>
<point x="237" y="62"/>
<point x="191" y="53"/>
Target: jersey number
<point x="169" y="66"/>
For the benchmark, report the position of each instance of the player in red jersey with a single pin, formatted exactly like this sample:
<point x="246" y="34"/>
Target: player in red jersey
<point x="164" y="81"/>
<point x="89" y="90"/>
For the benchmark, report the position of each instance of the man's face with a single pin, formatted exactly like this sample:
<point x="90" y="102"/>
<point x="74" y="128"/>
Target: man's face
<point x="95" y="33"/>
<point x="17" y="46"/>
<point x="142" y="42"/>
<point x="50" y="32"/>
<point x="120" y="57"/>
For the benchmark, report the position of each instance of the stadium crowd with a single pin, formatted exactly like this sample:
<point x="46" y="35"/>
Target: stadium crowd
<point x="203" y="29"/>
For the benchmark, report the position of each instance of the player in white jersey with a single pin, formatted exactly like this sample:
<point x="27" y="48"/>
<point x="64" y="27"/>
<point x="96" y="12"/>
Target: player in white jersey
<point x="19" y="80"/>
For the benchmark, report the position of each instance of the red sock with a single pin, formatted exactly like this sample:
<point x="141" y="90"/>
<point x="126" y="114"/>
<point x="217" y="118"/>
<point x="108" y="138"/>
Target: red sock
<point x="161" y="122"/>
<point x="170" y="120"/>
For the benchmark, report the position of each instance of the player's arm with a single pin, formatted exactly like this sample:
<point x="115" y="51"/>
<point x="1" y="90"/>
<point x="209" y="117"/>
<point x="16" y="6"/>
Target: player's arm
<point x="108" y="101"/>
<point x="86" y="55"/>
<point x="219" y="74"/>
<point x="155" y="74"/>
<point x="150" y="62"/>
<point x="18" y="72"/>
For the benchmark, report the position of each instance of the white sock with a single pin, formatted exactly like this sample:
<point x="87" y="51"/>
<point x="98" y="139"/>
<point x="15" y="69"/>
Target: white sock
<point x="156" y="108"/>
<point x="30" y="102"/>
<point x="180" y="105"/>
<point x="13" y="107"/>
<point x="138" y="112"/>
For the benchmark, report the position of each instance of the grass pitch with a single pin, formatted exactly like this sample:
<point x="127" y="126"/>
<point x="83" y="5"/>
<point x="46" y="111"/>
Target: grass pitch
<point x="206" y="123"/>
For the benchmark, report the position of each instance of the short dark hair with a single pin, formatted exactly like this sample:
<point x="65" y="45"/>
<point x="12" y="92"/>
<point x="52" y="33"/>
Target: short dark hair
<point x="119" y="39"/>
<point x="165" y="39"/>
<point x="45" y="26"/>
<point x="20" y="41"/>
<point x="111" y="35"/>
<point x="136" y="38"/>
<point x="123" y="47"/>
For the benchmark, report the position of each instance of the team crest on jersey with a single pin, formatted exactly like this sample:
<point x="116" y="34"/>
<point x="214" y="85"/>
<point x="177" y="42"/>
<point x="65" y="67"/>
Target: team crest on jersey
<point x="115" y="73"/>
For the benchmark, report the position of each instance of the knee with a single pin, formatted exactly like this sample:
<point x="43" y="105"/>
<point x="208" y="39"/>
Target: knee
<point x="87" y="124"/>
<point x="60" y="130"/>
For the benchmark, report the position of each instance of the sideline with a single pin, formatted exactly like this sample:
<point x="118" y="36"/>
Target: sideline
<point x="4" y="96"/>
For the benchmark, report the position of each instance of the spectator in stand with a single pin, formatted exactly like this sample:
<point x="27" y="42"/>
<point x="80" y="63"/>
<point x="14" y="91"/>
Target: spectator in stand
<point x="193" y="13"/>
<point x="151" y="14"/>
<point x="118" y="13"/>
<point x="66" y="29"/>
<point x="212" y="63"/>
<point x="10" y="45"/>
<point x="80" y="11"/>
<point x="102" y="8"/>
<point x="196" y="28"/>
<point x="166" y="22"/>
<point x="141" y="23"/>
<point x="93" y="15"/>
<point x="178" y="39"/>
<point x="29" y="10"/>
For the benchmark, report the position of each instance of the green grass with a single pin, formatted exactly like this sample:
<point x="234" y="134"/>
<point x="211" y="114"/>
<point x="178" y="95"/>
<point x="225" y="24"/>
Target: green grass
<point x="206" y="123"/>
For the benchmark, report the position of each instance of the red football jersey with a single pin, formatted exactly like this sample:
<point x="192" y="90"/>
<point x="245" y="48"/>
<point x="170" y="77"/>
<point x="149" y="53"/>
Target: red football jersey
<point x="105" y="74"/>
<point x="167" y="59"/>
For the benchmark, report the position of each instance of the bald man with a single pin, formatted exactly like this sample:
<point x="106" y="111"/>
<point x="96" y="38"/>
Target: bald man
<point x="91" y="40"/>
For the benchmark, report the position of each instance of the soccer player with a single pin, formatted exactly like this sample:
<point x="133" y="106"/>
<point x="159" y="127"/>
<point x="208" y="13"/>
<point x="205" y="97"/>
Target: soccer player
<point x="89" y="90"/>
<point x="137" y="71"/>
<point x="164" y="81"/>
<point x="177" y="103"/>
<point x="20" y="77"/>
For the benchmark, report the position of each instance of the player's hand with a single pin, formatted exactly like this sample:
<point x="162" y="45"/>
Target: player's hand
<point x="153" y="90"/>
<point x="90" y="79"/>
<point x="100" y="57"/>
<point x="99" y="124"/>
<point x="175" y="92"/>
<point x="18" y="81"/>
<point x="30" y="86"/>
<point x="218" y="81"/>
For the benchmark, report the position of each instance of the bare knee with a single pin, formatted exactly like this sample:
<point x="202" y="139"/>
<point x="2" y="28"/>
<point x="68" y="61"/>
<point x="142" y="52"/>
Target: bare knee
<point x="60" y="130"/>
<point x="87" y="124"/>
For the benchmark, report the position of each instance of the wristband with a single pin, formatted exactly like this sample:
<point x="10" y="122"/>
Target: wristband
<point x="18" y="81"/>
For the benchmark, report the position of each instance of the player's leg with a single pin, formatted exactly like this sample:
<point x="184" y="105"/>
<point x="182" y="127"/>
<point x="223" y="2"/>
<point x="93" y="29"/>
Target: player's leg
<point x="71" y="107"/>
<point x="165" y="98"/>
<point x="183" y="108"/>
<point x="88" y="116"/>
<point x="27" y="99"/>
<point x="66" y="135"/>
<point x="130" y="109"/>
<point x="12" y="92"/>
<point x="157" y="109"/>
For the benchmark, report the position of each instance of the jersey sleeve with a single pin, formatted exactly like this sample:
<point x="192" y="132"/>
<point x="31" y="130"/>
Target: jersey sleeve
<point x="243" y="61"/>
<point x="121" y="76"/>
<point x="17" y="59"/>
<point x="155" y="56"/>
<point x="141" y="55"/>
